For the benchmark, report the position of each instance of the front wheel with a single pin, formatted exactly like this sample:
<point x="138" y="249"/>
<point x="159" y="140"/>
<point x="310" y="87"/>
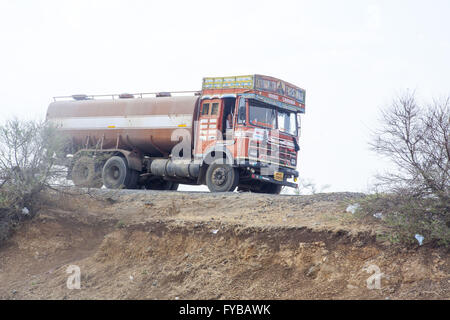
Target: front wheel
<point x="117" y="175"/>
<point x="221" y="177"/>
<point x="272" y="188"/>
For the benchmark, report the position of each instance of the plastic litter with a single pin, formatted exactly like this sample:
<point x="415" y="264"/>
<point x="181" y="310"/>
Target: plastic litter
<point x="352" y="208"/>
<point x="378" y="215"/>
<point x="419" y="238"/>
<point x="25" y="211"/>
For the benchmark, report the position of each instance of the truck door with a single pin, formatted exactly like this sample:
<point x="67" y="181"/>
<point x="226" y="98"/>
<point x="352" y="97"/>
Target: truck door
<point x="210" y="121"/>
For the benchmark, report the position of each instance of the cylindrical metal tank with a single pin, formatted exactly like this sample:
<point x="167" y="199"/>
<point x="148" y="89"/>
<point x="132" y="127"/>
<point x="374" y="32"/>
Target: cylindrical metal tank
<point x="145" y="124"/>
<point x="174" y="168"/>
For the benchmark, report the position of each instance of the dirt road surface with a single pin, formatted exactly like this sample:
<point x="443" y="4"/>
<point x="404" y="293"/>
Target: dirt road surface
<point x="181" y="245"/>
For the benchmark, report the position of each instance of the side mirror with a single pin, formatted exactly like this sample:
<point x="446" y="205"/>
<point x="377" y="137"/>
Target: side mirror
<point x="242" y="111"/>
<point x="241" y="114"/>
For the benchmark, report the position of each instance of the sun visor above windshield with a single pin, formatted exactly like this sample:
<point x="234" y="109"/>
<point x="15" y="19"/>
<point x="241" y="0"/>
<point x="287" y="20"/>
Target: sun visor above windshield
<point x="267" y="89"/>
<point x="277" y="103"/>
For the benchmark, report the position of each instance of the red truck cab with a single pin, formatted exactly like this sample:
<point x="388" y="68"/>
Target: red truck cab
<point x="256" y="119"/>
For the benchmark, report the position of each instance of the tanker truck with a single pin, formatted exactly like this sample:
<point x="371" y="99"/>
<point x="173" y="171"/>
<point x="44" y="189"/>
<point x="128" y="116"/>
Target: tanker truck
<point x="237" y="132"/>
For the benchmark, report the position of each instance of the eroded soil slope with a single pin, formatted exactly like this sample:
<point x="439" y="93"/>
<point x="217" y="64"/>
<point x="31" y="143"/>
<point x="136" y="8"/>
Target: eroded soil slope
<point x="164" y="245"/>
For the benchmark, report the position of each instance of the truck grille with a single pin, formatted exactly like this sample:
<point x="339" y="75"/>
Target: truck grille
<point x="273" y="153"/>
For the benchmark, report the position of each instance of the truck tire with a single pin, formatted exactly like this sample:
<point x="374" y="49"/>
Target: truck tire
<point x="272" y="188"/>
<point x="174" y="186"/>
<point x="243" y="188"/>
<point x="221" y="177"/>
<point x="86" y="173"/>
<point x="117" y="175"/>
<point x="161" y="185"/>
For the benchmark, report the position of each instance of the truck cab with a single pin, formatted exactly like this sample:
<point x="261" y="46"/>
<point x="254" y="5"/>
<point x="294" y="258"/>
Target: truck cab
<point x="255" y="120"/>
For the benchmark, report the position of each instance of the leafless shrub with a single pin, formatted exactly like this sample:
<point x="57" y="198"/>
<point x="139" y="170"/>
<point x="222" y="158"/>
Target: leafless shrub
<point x="417" y="193"/>
<point x="30" y="152"/>
<point x="308" y="186"/>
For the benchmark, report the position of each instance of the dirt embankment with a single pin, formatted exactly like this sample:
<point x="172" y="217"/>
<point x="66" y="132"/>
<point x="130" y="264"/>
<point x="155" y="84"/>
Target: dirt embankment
<point x="168" y="245"/>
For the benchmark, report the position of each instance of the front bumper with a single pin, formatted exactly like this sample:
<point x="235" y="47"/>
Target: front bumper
<point x="259" y="165"/>
<point x="272" y="180"/>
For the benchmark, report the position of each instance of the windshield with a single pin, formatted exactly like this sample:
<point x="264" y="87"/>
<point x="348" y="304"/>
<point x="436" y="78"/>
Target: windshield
<point x="262" y="115"/>
<point x="265" y="115"/>
<point x="286" y="122"/>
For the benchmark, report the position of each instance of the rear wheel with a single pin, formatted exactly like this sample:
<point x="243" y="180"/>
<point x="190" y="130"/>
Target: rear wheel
<point x="221" y="177"/>
<point x="117" y="175"/>
<point x="86" y="173"/>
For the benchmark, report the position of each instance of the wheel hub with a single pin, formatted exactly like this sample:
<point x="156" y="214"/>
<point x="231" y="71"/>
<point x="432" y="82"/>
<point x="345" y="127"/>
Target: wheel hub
<point x="114" y="173"/>
<point x="85" y="172"/>
<point x="219" y="176"/>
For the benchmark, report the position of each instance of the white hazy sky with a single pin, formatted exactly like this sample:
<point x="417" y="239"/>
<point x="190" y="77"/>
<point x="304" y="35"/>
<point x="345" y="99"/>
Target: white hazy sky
<point x="352" y="57"/>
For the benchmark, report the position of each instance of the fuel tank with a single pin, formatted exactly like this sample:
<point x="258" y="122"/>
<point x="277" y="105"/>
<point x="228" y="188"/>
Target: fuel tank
<point x="144" y="124"/>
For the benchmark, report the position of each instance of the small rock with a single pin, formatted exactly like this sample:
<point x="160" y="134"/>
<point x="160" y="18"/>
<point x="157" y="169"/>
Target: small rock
<point x="312" y="272"/>
<point x="289" y="215"/>
<point x="359" y="244"/>
<point x="131" y="278"/>
<point x="177" y="298"/>
<point x="110" y="200"/>
<point x="351" y="287"/>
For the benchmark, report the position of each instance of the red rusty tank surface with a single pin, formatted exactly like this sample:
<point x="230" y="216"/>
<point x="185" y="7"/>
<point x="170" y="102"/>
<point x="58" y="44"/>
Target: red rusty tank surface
<point x="143" y="124"/>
